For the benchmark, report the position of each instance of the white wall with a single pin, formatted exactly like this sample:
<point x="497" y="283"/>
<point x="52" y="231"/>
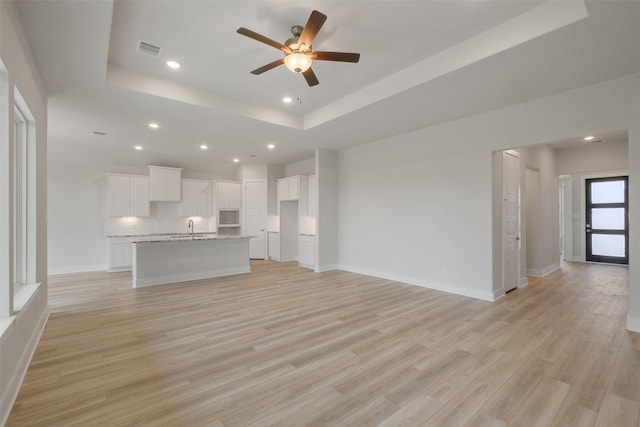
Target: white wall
<point x="633" y="319"/>
<point x="588" y="161"/>
<point x="76" y="218"/>
<point x="327" y="222"/>
<point x="542" y="249"/>
<point x="274" y="172"/>
<point x="592" y="158"/>
<point x="418" y="208"/>
<point x="303" y="167"/>
<point x="251" y="171"/>
<point x="18" y="342"/>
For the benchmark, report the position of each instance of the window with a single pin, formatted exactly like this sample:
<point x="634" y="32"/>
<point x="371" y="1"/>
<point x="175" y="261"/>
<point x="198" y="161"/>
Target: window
<point x="19" y="198"/>
<point x="17" y="202"/>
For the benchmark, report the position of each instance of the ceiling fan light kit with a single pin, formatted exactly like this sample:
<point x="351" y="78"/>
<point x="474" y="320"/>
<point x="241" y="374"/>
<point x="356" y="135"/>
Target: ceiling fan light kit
<point x="297" y="50"/>
<point x="297" y="62"/>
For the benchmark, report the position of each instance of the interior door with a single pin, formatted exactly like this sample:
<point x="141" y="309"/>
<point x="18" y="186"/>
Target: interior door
<point x="256" y="217"/>
<point x="607" y="220"/>
<point x="511" y="219"/>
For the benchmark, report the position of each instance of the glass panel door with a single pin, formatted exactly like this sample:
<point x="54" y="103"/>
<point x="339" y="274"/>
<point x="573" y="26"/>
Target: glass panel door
<point x="607" y="221"/>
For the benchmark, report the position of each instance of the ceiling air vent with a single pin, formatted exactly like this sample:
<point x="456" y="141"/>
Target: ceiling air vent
<point x="148" y="48"/>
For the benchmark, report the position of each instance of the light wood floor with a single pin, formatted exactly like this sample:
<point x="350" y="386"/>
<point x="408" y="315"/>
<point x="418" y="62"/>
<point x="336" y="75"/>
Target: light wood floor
<point x="286" y="346"/>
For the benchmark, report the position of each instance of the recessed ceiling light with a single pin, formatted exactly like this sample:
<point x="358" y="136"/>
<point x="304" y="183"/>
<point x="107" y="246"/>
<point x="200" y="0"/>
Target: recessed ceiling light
<point x="203" y="147"/>
<point x="138" y="147"/>
<point x="236" y="160"/>
<point x="173" y="65"/>
<point x="287" y="99"/>
<point x="271" y="146"/>
<point x="588" y="138"/>
<point x="154" y="125"/>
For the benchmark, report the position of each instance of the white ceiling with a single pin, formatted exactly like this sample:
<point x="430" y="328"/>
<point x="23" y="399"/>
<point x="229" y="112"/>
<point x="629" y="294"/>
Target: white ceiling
<point x="422" y="63"/>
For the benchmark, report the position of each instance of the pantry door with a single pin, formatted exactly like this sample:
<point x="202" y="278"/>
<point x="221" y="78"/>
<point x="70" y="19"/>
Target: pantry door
<point x="607" y="220"/>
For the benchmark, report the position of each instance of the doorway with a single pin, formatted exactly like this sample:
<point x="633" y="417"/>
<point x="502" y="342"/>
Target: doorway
<point x="607" y="220"/>
<point x="511" y="219"/>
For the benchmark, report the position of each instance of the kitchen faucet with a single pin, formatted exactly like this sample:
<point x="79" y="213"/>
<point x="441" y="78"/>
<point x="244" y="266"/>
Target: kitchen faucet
<point x="190" y="227"/>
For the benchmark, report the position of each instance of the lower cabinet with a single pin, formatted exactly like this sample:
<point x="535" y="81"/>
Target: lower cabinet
<point x="274" y="246"/>
<point x="307" y="251"/>
<point x="119" y="254"/>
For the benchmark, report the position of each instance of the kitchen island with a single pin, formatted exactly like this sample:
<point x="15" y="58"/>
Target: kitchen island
<point x="169" y="259"/>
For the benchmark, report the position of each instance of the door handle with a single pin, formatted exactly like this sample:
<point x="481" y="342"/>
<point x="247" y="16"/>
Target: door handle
<point x="518" y="238"/>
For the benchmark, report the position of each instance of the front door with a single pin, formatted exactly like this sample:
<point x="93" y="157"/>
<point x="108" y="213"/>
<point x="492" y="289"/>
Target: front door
<point x="607" y="220"/>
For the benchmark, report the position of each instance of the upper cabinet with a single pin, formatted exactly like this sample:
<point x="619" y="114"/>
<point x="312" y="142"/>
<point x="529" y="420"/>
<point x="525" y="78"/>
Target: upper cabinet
<point x="228" y="195"/>
<point x="196" y="198"/>
<point x="164" y="184"/>
<point x="289" y="188"/>
<point x="127" y="195"/>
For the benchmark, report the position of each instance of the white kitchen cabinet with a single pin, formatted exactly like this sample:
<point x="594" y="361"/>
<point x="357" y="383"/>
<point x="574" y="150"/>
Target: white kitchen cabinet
<point x="127" y="195"/>
<point x="289" y="188"/>
<point x="307" y="251"/>
<point x="228" y="195"/>
<point x="119" y="254"/>
<point x="196" y="198"/>
<point x="165" y="184"/>
<point x="274" y="246"/>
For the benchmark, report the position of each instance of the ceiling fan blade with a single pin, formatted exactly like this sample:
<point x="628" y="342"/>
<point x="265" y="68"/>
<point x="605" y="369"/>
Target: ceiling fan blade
<point x="310" y="77"/>
<point x="268" y="67"/>
<point x="266" y="40"/>
<point x="336" y="56"/>
<point x="315" y="22"/>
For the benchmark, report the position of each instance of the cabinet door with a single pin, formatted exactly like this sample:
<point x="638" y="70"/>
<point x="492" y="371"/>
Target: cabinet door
<point x="294" y="188"/>
<point x="118" y="195"/>
<point x="283" y="190"/>
<point x="157" y="179"/>
<point x="235" y="195"/>
<point x="306" y="251"/>
<point x="119" y="255"/>
<point x="203" y="198"/>
<point x="188" y="205"/>
<point x="222" y="195"/>
<point x="274" y="246"/>
<point x="164" y="184"/>
<point x="139" y="196"/>
<point x="172" y="185"/>
<point x="228" y="195"/>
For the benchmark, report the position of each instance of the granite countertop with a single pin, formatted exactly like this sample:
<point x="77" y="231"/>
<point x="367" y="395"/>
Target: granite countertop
<point x="185" y="238"/>
<point x="200" y="233"/>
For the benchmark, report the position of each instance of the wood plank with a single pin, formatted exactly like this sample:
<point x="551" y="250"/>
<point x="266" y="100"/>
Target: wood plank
<point x="287" y="346"/>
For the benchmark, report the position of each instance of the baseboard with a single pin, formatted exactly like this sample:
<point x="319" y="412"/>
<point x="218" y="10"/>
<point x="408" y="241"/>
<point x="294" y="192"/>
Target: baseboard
<point x="327" y="267"/>
<point x="633" y="323"/>
<point x="541" y="272"/>
<point x="187" y="277"/>
<point x="19" y="374"/>
<point x="524" y="281"/>
<point x="472" y="293"/>
<point x="499" y="293"/>
<point x="76" y="269"/>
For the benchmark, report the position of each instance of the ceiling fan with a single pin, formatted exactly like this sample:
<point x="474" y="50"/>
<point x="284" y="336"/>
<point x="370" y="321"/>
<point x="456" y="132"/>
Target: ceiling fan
<point x="297" y="50"/>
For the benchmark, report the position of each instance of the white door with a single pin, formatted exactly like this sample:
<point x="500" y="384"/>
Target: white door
<point x="511" y="219"/>
<point x="255" y="193"/>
